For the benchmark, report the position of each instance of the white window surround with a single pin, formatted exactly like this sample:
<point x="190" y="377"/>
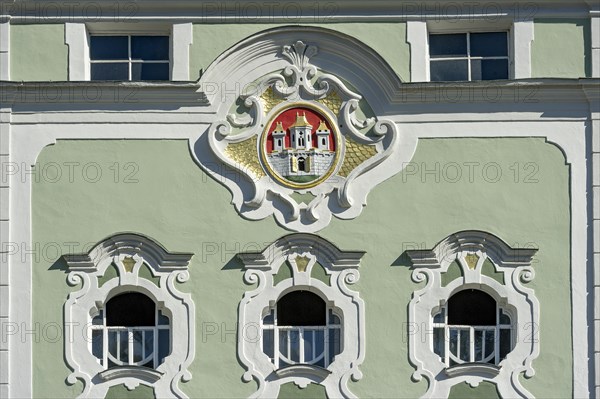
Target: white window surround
<point x="77" y="38"/>
<point x="520" y="37"/>
<point x="82" y="305"/>
<point x="512" y="296"/>
<point x="342" y="269"/>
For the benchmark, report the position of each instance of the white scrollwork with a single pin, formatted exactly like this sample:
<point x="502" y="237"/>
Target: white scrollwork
<point x="364" y="161"/>
<point x="515" y="267"/>
<point x="261" y="268"/>
<point x="87" y="269"/>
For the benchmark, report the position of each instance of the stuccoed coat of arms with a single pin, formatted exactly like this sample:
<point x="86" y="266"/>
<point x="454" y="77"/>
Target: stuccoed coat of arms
<point x="304" y="144"/>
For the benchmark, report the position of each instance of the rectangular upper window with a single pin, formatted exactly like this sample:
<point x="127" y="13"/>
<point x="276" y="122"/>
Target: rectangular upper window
<point x="129" y="57"/>
<point x="468" y="56"/>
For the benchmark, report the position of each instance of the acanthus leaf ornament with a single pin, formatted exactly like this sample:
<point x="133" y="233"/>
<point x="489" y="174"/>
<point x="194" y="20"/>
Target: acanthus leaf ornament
<point x="301" y="130"/>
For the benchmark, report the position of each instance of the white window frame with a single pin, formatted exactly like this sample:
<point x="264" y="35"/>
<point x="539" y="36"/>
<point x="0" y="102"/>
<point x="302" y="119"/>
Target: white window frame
<point x="517" y="300"/>
<point x="87" y="269"/>
<point x="77" y="36"/>
<point x="520" y="36"/>
<point x="342" y="268"/>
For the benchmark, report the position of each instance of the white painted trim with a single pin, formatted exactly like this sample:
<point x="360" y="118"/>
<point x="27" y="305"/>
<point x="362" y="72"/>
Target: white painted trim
<point x="522" y="36"/>
<point x="342" y="269"/>
<point x="86" y="269"/>
<point x="4" y="47"/>
<point x="79" y="51"/>
<point x="181" y="39"/>
<point x="418" y="38"/>
<point x="515" y="265"/>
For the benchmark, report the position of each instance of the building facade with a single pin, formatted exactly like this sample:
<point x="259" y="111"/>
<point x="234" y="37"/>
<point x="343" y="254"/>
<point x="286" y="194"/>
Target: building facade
<point x="299" y="199"/>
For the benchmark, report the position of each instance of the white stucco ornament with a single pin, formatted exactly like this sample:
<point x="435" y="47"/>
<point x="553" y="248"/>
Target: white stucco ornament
<point x="296" y="144"/>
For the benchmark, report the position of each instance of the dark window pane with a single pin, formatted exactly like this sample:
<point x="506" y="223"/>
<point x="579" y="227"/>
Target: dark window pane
<point x="123" y="354"/>
<point x="113" y="337"/>
<point x="449" y="70"/>
<point x="465" y="348"/>
<point x="439" y="341"/>
<point x="164" y="345"/>
<point x="109" y="48"/>
<point x="505" y="343"/>
<point x="142" y="71"/>
<point x="301" y="308"/>
<point x="489" y="69"/>
<point x="479" y="356"/>
<point x="98" y="319"/>
<point x="492" y="44"/>
<point x="335" y="343"/>
<point x="472" y="307"/>
<point x="97" y="338"/>
<point x="494" y="69"/>
<point x="138" y="344"/>
<point x="110" y="71"/>
<point x="294" y="346"/>
<point x="269" y="319"/>
<point x="163" y="320"/>
<point x="150" y="47"/>
<point x="448" y="45"/>
<point x="130" y="310"/>
<point x="489" y="344"/>
<point x="504" y="317"/>
<point x="268" y="343"/>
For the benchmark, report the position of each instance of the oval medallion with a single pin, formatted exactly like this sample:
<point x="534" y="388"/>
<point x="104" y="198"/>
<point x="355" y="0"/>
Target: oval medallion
<point x="299" y="146"/>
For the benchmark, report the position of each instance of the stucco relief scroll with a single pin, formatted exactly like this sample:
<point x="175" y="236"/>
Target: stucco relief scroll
<point x="298" y="145"/>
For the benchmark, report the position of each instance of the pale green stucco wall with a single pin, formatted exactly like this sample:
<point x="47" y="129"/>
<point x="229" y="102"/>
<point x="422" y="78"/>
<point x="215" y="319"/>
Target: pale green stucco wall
<point x="175" y="203"/>
<point x="387" y="39"/>
<point x="561" y="48"/>
<point x="38" y="52"/>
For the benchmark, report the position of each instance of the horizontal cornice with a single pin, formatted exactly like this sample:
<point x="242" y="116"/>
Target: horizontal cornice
<point x="108" y="92"/>
<point x="526" y="91"/>
<point x="29" y="11"/>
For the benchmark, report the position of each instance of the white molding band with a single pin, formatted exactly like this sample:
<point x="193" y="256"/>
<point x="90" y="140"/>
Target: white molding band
<point x="181" y="39"/>
<point x="4" y="47"/>
<point x="594" y="15"/>
<point x="342" y="269"/>
<point x="170" y="269"/>
<point x="522" y="33"/>
<point x="418" y="38"/>
<point x="515" y="266"/>
<point x="79" y="49"/>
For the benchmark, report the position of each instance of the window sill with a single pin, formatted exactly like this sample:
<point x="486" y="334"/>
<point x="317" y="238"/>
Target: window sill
<point x="303" y="370"/>
<point x="479" y="369"/>
<point x="141" y="373"/>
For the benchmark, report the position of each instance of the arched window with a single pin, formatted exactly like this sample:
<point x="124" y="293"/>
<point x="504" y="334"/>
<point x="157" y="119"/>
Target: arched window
<point x="130" y="331"/>
<point x="300" y="329"/>
<point x="471" y="328"/>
